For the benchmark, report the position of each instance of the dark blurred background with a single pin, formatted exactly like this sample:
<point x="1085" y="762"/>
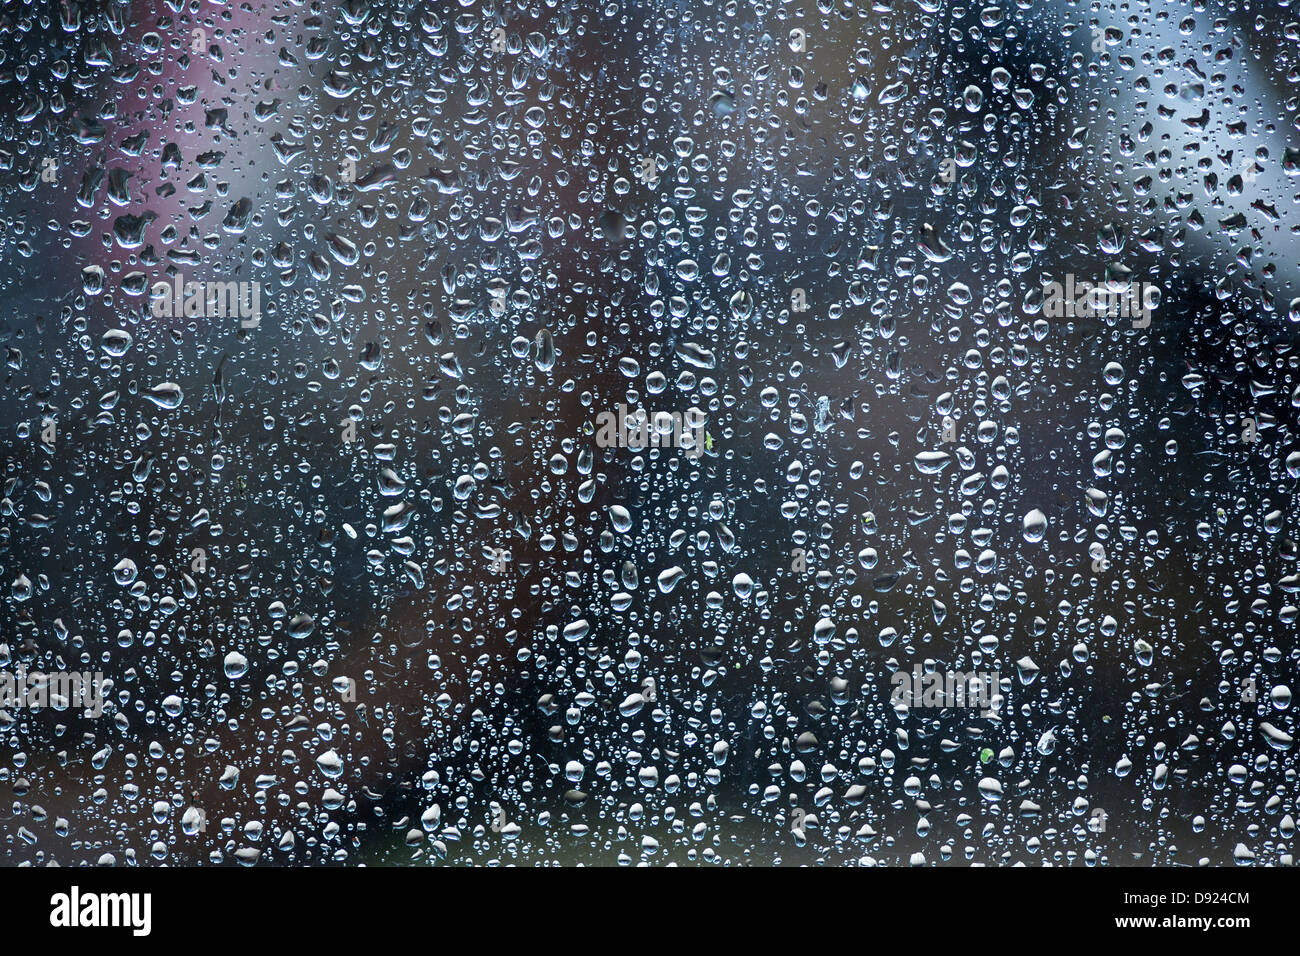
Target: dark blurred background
<point x="456" y="253"/>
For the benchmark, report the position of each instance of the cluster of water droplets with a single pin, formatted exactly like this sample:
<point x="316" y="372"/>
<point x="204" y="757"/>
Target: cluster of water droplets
<point x="366" y="581"/>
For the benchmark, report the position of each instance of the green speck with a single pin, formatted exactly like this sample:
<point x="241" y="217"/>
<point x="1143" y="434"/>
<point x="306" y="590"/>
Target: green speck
<point x="986" y="755"/>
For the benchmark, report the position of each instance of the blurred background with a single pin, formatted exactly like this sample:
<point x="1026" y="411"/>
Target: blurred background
<point x="367" y="590"/>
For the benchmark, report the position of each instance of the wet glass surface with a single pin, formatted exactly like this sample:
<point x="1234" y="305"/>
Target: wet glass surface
<point x="743" y="434"/>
